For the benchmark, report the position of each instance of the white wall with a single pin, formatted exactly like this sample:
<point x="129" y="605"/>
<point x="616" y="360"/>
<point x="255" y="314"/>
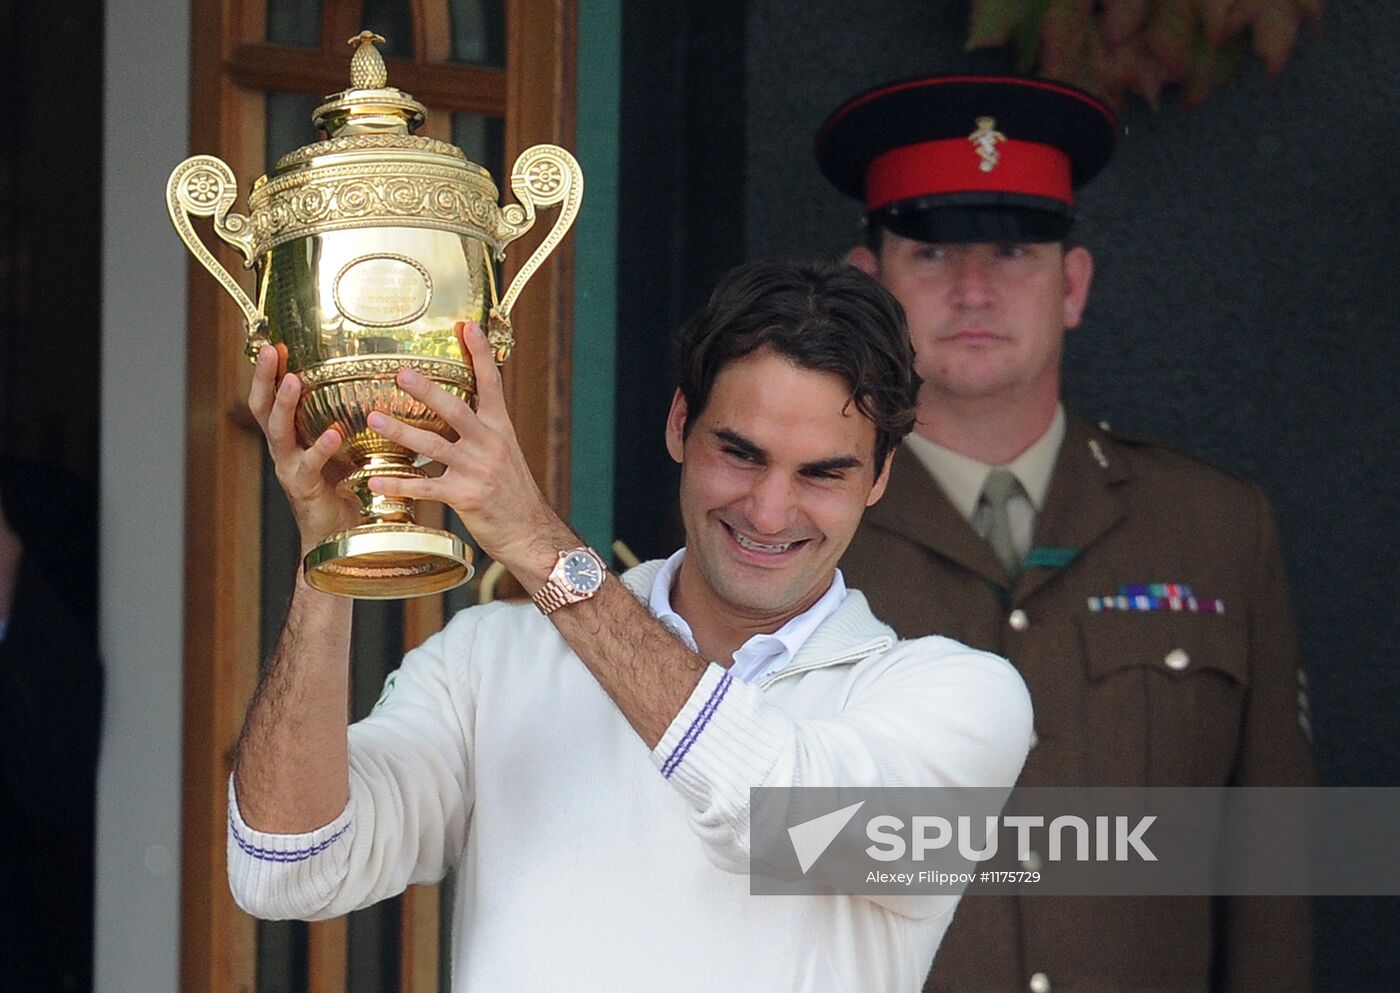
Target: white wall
<point x="146" y="126"/>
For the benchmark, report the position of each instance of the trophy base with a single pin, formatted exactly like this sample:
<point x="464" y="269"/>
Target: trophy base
<point x="388" y="561"/>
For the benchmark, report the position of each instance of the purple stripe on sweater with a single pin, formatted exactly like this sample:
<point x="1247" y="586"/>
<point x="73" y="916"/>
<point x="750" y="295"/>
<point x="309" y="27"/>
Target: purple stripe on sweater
<point x="697" y="725"/>
<point x="273" y="855"/>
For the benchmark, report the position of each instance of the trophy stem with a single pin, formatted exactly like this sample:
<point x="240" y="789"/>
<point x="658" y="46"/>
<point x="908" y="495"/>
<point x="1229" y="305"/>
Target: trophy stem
<point x="377" y="507"/>
<point x="387" y="556"/>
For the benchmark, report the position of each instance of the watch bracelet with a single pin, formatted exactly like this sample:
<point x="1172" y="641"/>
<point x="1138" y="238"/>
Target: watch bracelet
<point x="550" y="597"/>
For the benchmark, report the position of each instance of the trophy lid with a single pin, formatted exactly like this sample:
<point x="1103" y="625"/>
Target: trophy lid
<point x="371" y="170"/>
<point x="370" y="117"/>
<point x="370" y="105"/>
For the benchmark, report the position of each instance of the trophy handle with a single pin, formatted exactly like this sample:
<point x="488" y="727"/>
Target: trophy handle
<point x="205" y="186"/>
<point x="543" y="176"/>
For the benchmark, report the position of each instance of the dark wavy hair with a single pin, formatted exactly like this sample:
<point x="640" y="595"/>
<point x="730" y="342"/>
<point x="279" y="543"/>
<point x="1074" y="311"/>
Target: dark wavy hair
<point x="826" y="316"/>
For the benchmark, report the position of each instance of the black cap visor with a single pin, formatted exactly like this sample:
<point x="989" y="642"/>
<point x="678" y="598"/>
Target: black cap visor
<point x="977" y="217"/>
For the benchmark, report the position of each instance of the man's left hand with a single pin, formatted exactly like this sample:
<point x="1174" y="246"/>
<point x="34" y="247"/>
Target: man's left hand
<point x="487" y="481"/>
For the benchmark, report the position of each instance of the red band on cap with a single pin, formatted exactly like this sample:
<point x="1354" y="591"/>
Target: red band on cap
<point x="955" y="165"/>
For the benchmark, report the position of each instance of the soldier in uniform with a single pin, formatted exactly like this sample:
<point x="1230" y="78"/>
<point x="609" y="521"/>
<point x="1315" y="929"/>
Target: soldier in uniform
<point x="1138" y="590"/>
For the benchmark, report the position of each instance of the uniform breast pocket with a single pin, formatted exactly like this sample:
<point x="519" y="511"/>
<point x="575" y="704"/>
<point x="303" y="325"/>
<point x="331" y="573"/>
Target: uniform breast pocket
<point x="1164" y="697"/>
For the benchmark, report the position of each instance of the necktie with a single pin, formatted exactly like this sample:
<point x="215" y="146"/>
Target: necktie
<point x="997" y="491"/>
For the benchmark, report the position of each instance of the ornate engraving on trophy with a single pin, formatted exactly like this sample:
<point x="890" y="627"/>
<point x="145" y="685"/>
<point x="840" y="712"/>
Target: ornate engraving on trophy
<point x="383" y="291"/>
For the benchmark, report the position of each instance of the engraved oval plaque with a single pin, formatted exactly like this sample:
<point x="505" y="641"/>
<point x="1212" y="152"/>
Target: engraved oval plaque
<point x="383" y="291"/>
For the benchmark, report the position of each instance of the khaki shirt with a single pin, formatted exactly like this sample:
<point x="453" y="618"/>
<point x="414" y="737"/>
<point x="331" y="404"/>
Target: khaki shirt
<point x="962" y="478"/>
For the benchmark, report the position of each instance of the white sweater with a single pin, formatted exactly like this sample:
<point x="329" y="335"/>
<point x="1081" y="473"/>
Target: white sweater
<point x="588" y="863"/>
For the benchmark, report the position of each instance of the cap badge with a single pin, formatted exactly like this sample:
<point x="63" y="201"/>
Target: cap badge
<point x="985" y="140"/>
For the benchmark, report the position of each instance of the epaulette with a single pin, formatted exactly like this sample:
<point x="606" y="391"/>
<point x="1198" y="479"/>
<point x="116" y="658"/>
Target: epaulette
<point x="1150" y="445"/>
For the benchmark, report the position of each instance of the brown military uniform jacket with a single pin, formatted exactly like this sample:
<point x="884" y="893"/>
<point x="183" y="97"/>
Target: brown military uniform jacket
<point x="1114" y="704"/>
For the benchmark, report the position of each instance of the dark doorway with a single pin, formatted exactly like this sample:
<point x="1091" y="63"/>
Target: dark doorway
<point x="50" y="233"/>
<point x="50" y="352"/>
<point x="680" y="223"/>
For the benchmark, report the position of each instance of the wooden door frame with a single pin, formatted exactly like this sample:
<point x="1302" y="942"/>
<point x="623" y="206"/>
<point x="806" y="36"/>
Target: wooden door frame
<point x="223" y="456"/>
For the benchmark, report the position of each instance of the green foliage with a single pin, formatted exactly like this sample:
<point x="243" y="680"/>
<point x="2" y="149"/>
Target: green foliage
<point x="1117" y="47"/>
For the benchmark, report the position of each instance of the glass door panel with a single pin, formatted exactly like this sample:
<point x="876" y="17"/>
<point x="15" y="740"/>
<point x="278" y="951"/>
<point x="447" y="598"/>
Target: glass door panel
<point x="479" y="32"/>
<point x="288" y="126"/>
<point x="393" y="20"/>
<point x="294" y="22"/>
<point x="483" y="139"/>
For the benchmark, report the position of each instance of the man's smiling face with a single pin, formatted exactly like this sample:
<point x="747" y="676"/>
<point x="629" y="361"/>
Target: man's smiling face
<point x="775" y="474"/>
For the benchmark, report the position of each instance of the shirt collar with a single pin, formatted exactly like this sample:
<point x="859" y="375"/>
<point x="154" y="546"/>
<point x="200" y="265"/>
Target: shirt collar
<point x="962" y="477"/>
<point x="762" y="653"/>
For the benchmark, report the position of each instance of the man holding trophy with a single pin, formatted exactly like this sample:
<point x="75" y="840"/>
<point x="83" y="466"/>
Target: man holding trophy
<point x="585" y="761"/>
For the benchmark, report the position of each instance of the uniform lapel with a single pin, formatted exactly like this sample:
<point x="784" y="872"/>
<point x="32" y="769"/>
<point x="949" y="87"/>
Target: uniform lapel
<point x="915" y="507"/>
<point x="1084" y="502"/>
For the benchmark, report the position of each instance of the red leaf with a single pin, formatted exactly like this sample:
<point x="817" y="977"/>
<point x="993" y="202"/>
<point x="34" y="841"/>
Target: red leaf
<point x="1275" y="33"/>
<point x="1133" y="68"/>
<point x="1089" y="66"/>
<point x="1214" y="15"/>
<point x="1091" y="71"/>
<point x="1170" y="33"/>
<point x="1310" y="9"/>
<point x="991" y="22"/>
<point x="1243" y="13"/>
<point x="1121" y="19"/>
<point x="1064" y="36"/>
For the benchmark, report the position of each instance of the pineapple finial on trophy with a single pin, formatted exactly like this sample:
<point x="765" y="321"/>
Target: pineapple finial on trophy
<point x="370" y="106"/>
<point x="367" y="70"/>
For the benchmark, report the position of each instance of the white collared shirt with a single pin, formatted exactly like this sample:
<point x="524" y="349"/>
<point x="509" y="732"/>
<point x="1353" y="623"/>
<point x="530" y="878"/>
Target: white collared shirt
<point x="763" y="653"/>
<point x="962" y="478"/>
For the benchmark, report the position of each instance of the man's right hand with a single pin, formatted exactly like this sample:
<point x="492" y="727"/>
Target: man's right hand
<point x="319" y="509"/>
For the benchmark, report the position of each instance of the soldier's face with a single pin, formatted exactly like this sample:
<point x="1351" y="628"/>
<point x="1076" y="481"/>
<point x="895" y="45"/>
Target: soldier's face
<point x="987" y="321"/>
<point x="775" y="474"/>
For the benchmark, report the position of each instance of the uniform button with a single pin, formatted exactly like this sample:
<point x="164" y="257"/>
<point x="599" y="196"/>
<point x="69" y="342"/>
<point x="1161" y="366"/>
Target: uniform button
<point x="1177" y="659"/>
<point x="1040" y="983"/>
<point x="1035" y="738"/>
<point x="1031" y="863"/>
<point x="1018" y="620"/>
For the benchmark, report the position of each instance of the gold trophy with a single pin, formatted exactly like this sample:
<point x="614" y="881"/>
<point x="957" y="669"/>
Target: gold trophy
<point x="368" y="248"/>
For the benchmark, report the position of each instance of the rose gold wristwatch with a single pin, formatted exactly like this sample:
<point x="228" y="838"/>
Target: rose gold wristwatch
<point x="577" y="576"/>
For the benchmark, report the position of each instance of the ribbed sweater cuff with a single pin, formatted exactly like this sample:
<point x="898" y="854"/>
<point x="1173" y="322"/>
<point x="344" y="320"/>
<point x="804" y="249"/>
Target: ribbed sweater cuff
<point x="280" y="876"/>
<point x="723" y="741"/>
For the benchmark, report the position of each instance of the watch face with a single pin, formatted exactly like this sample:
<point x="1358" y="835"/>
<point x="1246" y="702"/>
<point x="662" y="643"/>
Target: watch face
<point x="582" y="572"/>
